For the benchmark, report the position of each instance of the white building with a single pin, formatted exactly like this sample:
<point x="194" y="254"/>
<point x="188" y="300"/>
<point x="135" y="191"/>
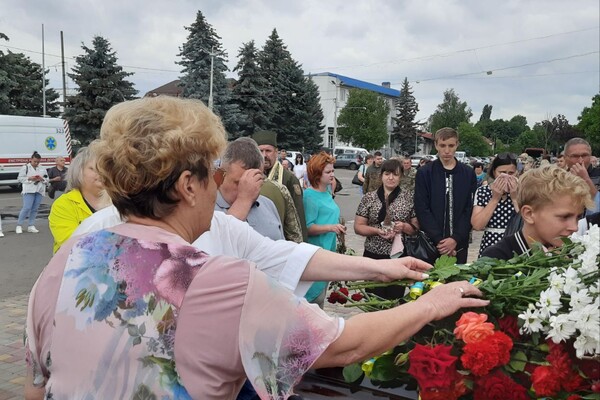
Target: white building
<point x="334" y="90"/>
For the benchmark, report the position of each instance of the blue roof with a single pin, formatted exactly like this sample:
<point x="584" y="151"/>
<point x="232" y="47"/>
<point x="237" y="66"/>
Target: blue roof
<point x="355" y="83"/>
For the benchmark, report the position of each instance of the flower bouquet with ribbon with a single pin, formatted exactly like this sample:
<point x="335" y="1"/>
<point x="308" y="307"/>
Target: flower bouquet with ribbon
<point x="538" y="338"/>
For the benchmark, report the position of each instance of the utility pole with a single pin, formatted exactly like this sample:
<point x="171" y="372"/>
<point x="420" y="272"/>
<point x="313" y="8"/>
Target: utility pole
<point x="62" y="56"/>
<point x="210" y="93"/>
<point x="43" y="76"/>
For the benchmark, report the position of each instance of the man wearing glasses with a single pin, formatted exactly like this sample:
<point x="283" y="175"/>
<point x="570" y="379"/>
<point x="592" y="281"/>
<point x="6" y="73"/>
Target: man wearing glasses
<point x="578" y="153"/>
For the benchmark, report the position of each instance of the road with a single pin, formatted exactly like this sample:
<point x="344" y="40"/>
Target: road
<point x="22" y="257"/>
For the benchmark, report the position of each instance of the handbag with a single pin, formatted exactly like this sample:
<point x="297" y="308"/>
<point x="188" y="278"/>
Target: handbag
<point x="338" y="185"/>
<point x="420" y="246"/>
<point x="356" y="181"/>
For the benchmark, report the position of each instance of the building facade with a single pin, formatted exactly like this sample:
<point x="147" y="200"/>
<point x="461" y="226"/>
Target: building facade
<point x="334" y="90"/>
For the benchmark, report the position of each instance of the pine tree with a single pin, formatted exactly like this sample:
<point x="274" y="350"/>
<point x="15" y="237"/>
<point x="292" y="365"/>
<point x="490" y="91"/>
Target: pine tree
<point x="294" y="110"/>
<point x="203" y="41"/>
<point x="101" y="84"/>
<point x="249" y="92"/>
<point x="405" y="127"/>
<point x="21" y="86"/>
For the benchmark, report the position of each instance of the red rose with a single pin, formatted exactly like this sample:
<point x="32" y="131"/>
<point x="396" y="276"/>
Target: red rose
<point x="497" y="386"/>
<point x="453" y="393"/>
<point x="344" y="291"/>
<point x="481" y="357"/>
<point x="545" y="381"/>
<point x="433" y="367"/>
<point x="574" y="397"/>
<point x="333" y="297"/>
<point x="357" y="296"/>
<point x="508" y="324"/>
<point x="572" y="382"/>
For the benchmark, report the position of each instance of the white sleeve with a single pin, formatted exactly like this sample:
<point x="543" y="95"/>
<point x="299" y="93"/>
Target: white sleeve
<point x="282" y="260"/>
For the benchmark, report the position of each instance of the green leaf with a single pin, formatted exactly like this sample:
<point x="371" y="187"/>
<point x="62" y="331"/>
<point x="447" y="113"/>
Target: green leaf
<point x="443" y="271"/>
<point x="593" y="396"/>
<point x="384" y="369"/>
<point x="518" y="361"/>
<point x="353" y="372"/>
<point x="137" y="340"/>
<point x="401" y="359"/>
<point x="142" y="329"/>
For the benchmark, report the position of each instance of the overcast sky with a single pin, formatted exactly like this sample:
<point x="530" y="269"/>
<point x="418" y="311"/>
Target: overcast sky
<point x="537" y="58"/>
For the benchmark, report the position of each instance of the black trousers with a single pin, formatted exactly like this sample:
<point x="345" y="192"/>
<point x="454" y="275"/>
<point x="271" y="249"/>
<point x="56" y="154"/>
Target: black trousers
<point x="390" y="292"/>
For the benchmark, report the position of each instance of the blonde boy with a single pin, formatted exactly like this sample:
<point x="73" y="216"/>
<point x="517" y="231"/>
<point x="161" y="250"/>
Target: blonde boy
<point x="551" y="201"/>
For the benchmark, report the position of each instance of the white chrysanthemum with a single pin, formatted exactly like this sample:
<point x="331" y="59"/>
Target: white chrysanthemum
<point x="549" y="302"/>
<point x="588" y="262"/>
<point x="587" y="320"/>
<point x="557" y="281"/>
<point x="586" y="345"/>
<point x="531" y="320"/>
<point x="580" y="299"/>
<point x="561" y="328"/>
<point x="572" y="280"/>
<point x="595" y="289"/>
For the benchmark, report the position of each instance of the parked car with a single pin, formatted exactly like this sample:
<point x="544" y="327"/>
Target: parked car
<point x="347" y="160"/>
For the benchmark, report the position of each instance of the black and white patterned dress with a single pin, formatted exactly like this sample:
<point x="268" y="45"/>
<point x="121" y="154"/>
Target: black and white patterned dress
<point x="494" y="230"/>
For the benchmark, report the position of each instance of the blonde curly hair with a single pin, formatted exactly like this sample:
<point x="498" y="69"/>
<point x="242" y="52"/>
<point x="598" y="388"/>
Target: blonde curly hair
<point x="146" y="144"/>
<point x="539" y="186"/>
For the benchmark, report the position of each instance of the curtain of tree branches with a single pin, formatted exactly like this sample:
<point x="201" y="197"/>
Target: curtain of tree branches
<point x="100" y="84"/>
<point x="404" y="134"/>
<point x="21" y="86"/>
<point x="195" y="53"/>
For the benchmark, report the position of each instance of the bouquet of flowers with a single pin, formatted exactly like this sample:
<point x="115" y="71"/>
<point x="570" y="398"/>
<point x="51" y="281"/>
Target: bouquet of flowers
<point x="538" y="338"/>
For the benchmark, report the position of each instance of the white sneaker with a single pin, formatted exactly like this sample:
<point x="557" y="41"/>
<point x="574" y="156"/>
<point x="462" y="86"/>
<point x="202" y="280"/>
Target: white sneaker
<point x="31" y="229"/>
<point x="1" y="234"/>
<point x="18" y="229"/>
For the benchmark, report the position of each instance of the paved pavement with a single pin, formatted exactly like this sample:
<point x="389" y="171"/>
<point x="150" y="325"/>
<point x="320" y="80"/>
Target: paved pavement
<point x="13" y="311"/>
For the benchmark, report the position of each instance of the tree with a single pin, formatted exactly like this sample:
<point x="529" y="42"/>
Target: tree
<point x="472" y="141"/>
<point x="555" y="132"/>
<point x="294" y="110"/>
<point x="21" y="86"/>
<point x="202" y="41"/>
<point x="405" y="127"/>
<point x="486" y="113"/>
<point x="450" y="113"/>
<point x="363" y="121"/>
<point x="101" y="84"/>
<point x="249" y="92"/>
<point x="589" y="123"/>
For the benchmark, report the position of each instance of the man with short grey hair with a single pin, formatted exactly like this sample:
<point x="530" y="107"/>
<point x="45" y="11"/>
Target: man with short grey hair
<point x="578" y="154"/>
<point x="239" y="195"/>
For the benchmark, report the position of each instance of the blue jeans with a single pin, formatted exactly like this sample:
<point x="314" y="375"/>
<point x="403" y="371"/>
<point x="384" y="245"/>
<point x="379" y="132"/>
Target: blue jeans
<point x="31" y="203"/>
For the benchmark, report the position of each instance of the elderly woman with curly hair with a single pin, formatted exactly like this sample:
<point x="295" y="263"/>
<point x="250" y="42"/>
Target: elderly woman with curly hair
<point x="135" y="311"/>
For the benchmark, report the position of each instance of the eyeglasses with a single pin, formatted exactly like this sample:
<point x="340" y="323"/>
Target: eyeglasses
<point x="509" y="156"/>
<point x="219" y="176"/>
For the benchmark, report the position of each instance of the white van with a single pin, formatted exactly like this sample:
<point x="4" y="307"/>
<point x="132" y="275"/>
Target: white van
<point x="21" y="136"/>
<point x="357" y="151"/>
<point x="461" y="156"/>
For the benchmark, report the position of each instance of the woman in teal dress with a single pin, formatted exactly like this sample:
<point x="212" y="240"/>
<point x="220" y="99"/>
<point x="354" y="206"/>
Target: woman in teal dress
<point x="322" y="215"/>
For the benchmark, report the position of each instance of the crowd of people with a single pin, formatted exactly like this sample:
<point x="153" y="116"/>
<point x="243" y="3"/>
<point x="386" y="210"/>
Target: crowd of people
<point x="206" y="263"/>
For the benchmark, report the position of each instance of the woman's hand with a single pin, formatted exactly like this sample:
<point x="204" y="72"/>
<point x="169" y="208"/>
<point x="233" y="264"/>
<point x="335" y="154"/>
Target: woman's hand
<point x="387" y="234"/>
<point x="448" y="298"/>
<point x="512" y="184"/>
<point x="401" y="268"/>
<point x="337" y="228"/>
<point x="399" y="227"/>
<point x="498" y="187"/>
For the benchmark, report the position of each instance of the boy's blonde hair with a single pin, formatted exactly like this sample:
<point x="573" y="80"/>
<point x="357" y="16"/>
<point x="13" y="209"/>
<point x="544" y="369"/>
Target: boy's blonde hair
<point x="539" y="186"/>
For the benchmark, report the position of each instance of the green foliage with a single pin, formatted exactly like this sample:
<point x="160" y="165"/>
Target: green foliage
<point x="101" y="84"/>
<point x="486" y="113"/>
<point x="472" y="141"/>
<point x="293" y="107"/>
<point x="363" y="121"/>
<point x="450" y="113"/>
<point x="21" y="87"/>
<point x="405" y="128"/>
<point x="353" y="372"/>
<point x="589" y="123"/>
<point x="202" y="41"/>
<point x="555" y="132"/>
<point x="249" y="92"/>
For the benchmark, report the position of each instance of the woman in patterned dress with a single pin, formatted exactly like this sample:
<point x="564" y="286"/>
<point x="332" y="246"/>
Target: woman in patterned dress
<point x="384" y="213"/>
<point x="495" y="204"/>
<point x="134" y="311"/>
